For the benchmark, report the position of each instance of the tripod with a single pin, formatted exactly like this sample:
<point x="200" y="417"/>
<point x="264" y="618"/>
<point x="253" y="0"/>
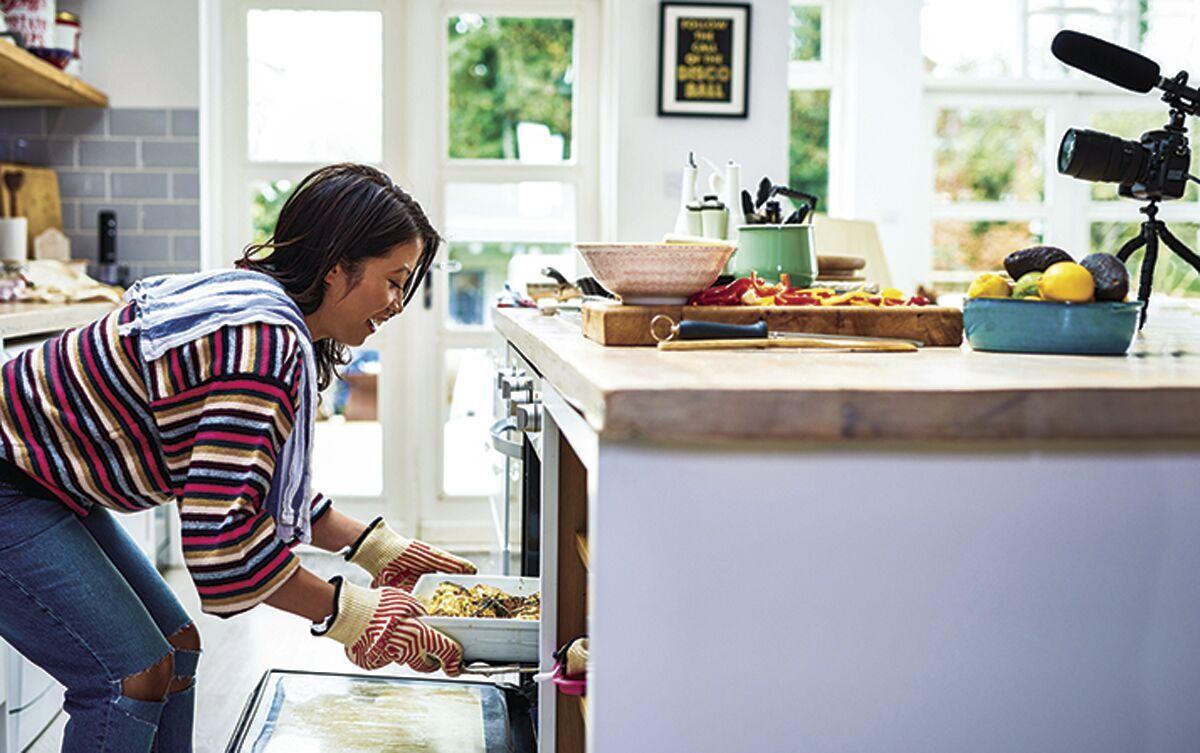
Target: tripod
<point x="1153" y="229"/>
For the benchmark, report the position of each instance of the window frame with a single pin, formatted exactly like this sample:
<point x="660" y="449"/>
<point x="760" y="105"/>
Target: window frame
<point x="825" y="74"/>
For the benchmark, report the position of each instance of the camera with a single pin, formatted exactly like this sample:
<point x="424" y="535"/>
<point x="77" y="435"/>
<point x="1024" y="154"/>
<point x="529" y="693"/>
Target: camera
<point x="1154" y="167"/>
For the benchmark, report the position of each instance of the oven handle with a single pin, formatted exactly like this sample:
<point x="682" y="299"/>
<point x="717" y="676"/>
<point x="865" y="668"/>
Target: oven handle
<point x="500" y="443"/>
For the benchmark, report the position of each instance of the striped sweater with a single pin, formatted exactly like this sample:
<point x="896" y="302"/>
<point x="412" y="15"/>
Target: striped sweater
<point x="91" y="423"/>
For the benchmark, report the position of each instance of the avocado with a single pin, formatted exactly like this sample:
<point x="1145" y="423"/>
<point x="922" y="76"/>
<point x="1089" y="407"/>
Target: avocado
<point x="1112" y="279"/>
<point x="1034" y="259"/>
<point x="1026" y="287"/>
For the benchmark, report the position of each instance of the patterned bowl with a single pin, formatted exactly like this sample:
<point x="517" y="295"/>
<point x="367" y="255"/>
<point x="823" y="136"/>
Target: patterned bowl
<point x="655" y="273"/>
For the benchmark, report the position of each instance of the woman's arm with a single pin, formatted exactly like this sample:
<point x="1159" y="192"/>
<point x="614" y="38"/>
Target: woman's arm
<point x="334" y="530"/>
<point x="304" y="594"/>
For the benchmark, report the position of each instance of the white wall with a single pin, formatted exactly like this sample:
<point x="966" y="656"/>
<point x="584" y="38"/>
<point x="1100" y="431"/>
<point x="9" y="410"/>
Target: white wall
<point x="142" y="53"/>
<point x="650" y="151"/>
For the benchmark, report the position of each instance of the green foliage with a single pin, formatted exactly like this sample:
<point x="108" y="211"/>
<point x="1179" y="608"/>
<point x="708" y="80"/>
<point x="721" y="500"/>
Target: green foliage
<point x="504" y="71"/>
<point x="806" y="32"/>
<point x="990" y="155"/>
<point x="980" y="245"/>
<point x="268" y="199"/>
<point x="1172" y="275"/>
<point x="809" y="144"/>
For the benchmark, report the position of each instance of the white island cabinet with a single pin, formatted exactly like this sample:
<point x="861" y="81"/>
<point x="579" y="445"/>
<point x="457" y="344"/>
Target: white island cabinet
<point x="940" y="552"/>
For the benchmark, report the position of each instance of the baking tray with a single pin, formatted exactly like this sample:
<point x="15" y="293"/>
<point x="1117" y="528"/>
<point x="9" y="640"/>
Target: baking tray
<point x="489" y="639"/>
<point x="323" y="712"/>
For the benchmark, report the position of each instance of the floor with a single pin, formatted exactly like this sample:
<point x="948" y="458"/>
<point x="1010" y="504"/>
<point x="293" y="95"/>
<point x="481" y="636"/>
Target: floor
<point x="237" y="652"/>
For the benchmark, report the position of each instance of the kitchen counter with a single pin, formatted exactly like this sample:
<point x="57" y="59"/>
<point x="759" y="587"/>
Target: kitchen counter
<point x="946" y="394"/>
<point x="20" y="319"/>
<point x="908" y="556"/>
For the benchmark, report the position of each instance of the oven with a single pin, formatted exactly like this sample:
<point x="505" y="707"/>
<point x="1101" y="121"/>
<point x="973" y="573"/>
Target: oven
<point x="517" y="436"/>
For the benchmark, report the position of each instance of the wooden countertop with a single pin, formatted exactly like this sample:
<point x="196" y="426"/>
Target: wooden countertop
<point x="938" y="394"/>
<point x="19" y="319"/>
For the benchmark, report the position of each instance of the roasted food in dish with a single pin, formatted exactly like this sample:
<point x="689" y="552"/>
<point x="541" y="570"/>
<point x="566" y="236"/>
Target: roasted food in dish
<point x="453" y="600"/>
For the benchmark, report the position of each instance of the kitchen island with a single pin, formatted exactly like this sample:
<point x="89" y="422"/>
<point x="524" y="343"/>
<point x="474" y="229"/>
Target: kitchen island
<point x="939" y="551"/>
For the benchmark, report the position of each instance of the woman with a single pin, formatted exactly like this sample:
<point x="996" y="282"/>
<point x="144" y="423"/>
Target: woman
<point x="202" y="389"/>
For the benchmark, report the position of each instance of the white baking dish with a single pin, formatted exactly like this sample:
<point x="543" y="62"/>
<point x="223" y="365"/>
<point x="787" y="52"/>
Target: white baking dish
<point x="489" y="639"/>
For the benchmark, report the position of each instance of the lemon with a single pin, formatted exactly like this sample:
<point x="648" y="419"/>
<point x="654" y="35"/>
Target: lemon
<point x="1066" y="281"/>
<point x="989" y="285"/>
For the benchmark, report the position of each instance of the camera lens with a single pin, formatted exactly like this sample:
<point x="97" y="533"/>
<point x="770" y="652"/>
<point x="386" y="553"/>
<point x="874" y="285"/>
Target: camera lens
<point x="1096" y="156"/>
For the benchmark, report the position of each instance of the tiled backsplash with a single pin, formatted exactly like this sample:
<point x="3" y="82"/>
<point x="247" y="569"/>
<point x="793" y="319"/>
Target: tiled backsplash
<point x="141" y="164"/>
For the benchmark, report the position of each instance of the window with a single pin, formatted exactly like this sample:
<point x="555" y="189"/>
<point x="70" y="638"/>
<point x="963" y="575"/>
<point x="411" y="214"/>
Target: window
<point x="511" y="83"/>
<point x="998" y="104"/>
<point x="810" y="81"/>
<point x="337" y="94"/>
<point x="518" y="186"/>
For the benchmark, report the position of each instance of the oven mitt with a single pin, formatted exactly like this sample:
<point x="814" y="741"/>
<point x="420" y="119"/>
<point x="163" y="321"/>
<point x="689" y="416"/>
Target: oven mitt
<point x="393" y="560"/>
<point x="379" y="626"/>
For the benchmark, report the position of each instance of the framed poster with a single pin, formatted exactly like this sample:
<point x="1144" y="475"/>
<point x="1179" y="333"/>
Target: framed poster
<point x="704" y="59"/>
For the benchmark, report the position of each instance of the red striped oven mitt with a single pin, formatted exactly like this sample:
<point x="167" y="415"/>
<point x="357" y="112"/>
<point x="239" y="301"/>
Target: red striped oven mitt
<point x="379" y="626"/>
<point x="393" y="560"/>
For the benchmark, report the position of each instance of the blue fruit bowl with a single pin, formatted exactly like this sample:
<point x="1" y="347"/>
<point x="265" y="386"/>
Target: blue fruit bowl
<point x="1009" y="325"/>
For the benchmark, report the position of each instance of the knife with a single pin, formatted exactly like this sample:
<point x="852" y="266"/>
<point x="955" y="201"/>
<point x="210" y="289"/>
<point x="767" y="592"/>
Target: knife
<point x="691" y="329"/>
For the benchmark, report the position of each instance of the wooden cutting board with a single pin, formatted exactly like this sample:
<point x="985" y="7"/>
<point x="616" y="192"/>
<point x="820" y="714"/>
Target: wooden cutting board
<point x="616" y="324"/>
<point x="37" y="199"/>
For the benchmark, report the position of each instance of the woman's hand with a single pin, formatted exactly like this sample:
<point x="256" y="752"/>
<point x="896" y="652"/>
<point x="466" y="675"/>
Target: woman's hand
<point x="396" y="561"/>
<point x="381" y="626"/>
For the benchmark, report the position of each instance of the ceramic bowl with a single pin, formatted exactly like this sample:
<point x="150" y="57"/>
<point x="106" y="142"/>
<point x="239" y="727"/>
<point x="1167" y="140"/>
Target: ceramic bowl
<point x="1017" y="326"/>
<point x="654" y="273"/>
<point x="56" y="56"/>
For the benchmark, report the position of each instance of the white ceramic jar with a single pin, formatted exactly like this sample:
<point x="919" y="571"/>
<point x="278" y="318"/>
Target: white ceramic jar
<point x="32" y="19"/>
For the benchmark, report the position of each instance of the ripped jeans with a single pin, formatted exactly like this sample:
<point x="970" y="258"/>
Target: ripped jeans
<point x="80" y="599"/>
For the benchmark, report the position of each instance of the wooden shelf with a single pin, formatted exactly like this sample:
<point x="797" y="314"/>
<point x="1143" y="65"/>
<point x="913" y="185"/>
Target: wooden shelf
<point x="581" y="546"/>
<point x="26" y="81"/>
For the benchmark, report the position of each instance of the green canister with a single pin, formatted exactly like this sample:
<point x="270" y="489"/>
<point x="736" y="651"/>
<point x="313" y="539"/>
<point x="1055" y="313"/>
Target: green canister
<point x="771" y="250"/>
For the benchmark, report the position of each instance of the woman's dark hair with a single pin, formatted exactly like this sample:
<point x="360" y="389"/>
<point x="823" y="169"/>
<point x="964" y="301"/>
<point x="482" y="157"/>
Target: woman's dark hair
<point x="343" y="214"/>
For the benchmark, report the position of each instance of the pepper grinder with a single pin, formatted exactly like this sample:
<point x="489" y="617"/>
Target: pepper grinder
<point x="733" y="200"/>
<point x="108" y="271"/>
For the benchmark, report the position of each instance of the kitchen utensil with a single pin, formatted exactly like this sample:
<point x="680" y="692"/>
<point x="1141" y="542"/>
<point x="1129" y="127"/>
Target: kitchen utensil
<point x="1021" y="326"/>
<point x="799" y="343"/>
<point x="771" y="250"/>
<point x="654" y="273"/>
<point x="747" y="206"/>
<point x="13" y="180"/>
<point x="692" y="330"/>
<point x="687" y="193"/>
<point x="489" y="639"/>
<point x="764" y="192"/>
<point x="555" y="275"/>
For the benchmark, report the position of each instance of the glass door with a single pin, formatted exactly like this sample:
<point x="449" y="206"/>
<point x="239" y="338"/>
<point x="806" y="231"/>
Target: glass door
<point x="516" y="185"/>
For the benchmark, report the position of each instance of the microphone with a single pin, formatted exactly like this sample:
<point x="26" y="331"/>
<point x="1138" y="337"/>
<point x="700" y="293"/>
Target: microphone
<point x="1105" y="60"/>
